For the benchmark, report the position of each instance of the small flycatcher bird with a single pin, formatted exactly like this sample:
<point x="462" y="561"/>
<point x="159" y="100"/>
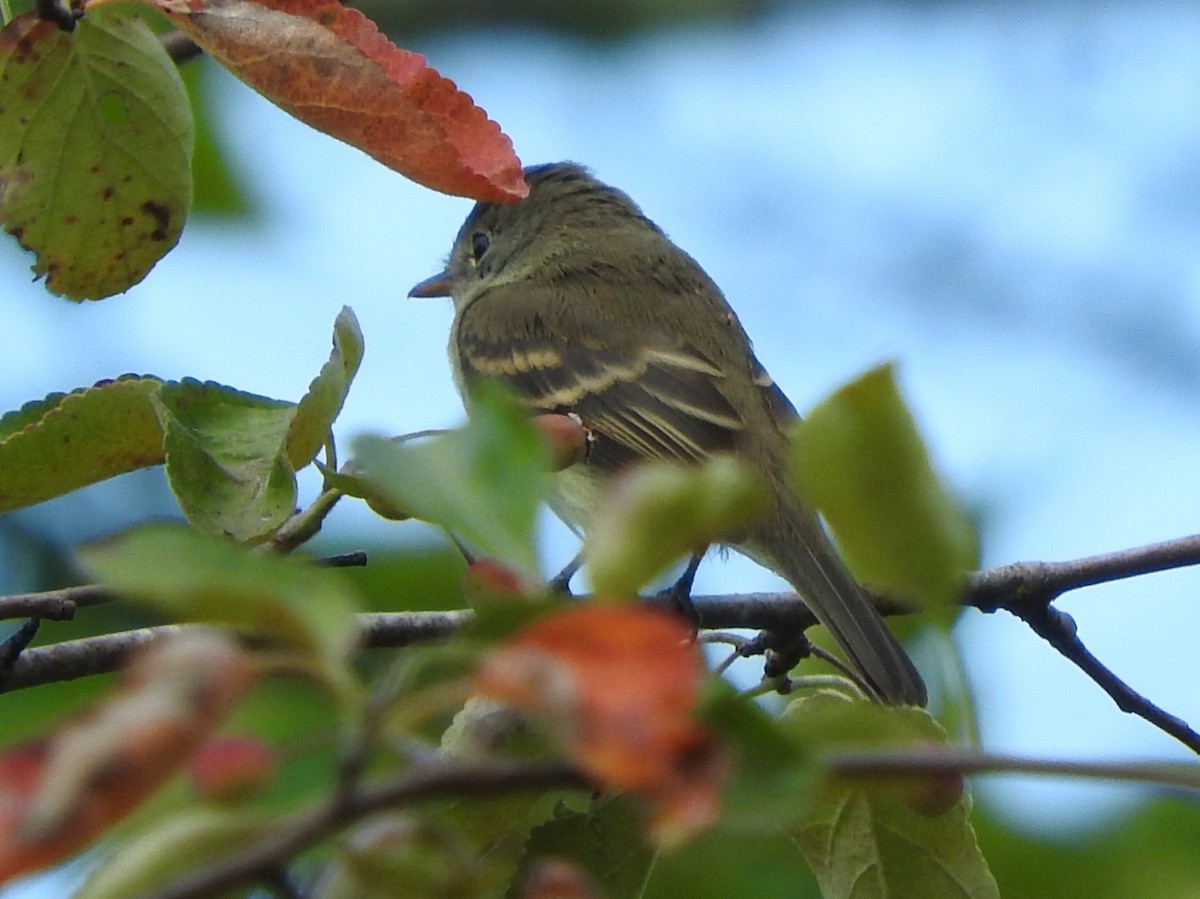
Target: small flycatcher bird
<point x="580" y="304"/>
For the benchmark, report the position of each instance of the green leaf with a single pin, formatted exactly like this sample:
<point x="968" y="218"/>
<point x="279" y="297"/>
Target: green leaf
<point x="321" y="405"/>
<point x="768" y="762"/>
<point x="483" y="481"/>
<point x="95" y="150"/>
<point x="729" y="863"/>
<point x="859" y="459"/>
<point x="188" y="841"/>
<point x="867" y="840"/>
<point x="67" y="441"/>
<point x="662" y="511"/>
<point x="225" y="458"/>
<point x="607" y="841"/>
<point x="192" y="577"/>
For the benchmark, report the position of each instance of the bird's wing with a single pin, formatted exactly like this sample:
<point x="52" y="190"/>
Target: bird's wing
<point x="646" y="395"/>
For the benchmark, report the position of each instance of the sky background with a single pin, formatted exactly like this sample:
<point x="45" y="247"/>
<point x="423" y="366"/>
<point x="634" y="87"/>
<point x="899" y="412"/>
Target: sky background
<point x="1003" y="198"/>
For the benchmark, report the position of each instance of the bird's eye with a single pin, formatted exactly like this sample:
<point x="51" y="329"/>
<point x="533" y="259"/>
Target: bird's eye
<point x="479" y="245"/>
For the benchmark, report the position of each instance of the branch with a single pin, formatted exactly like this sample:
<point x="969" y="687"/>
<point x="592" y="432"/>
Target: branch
<point x="350" y="805"/>
<point x="883" y="762"/>
<point x="1027" y="590"/>
<point x="73" y="659"/>
<point x="475" y="779"/>
<point x="1042" y="582"/>
<point x="55" y="605"/>
<point x="1024" y="589"/>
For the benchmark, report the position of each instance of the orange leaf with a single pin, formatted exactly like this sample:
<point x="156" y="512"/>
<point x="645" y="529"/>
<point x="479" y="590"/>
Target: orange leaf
<point x="60" y="793"/>
<point x="330" y="67"/>
<point x="617" y="685"/>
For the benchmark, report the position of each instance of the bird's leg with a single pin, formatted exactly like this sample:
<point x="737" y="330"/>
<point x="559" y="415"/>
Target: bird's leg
<point x="561" y="582"/>
<point x="679" y="594"/>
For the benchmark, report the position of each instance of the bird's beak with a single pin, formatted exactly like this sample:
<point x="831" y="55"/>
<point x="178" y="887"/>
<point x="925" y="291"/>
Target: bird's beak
<point x="437" y="286"/>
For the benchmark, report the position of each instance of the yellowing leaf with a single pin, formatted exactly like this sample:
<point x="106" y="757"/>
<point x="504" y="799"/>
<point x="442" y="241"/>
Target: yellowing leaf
<point x="320" y="406"/>
<point x="859" y="459"/>
<point x="189" y="840"/>
<point x="95" y="150"/>
<point x="59" y="794"/>
<point x="64" y="442"/>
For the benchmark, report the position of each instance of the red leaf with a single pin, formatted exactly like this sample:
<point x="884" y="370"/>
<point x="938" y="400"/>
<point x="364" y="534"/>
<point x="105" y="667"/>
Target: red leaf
<point x="617" y="684"/>
<point x="331" y="68"/>
<point x="60" y="793"/>
<point x="233" y="768"/>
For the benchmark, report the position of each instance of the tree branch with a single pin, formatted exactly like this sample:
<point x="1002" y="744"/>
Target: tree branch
<point x="478" y="779"/>
<point x="73" y="659"/>
<point x="347" y="806"/>
<point x="54" y="605"/>
<point x="884" y="762"/>
<point x="1024" y="589"/>
<point x="1027" y="590"/>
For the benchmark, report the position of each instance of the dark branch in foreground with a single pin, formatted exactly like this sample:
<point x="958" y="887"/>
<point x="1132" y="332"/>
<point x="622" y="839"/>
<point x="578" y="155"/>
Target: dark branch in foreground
<point x="479" y="779"/>
<point x="352" y="804"/>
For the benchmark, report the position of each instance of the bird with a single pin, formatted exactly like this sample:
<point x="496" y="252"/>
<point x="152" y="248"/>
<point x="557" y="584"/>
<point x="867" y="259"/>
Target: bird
<point x="580" y="304"/>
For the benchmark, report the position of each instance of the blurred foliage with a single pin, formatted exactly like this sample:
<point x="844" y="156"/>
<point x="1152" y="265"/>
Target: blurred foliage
<point x="1151" y="851"/>
<point x="216" y="188"/>
<point x="600" y="19"/>
<point x="415" y="578"/>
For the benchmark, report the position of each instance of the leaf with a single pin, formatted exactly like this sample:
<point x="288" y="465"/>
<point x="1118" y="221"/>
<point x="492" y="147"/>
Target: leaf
<point x="231" y="769"/>
<point x="395" y="854"/>
<point x="483" y="481"/>
<point x="606" y="841"/>
<point x="867" y="840"/>
<point x="767" y="761"/>
<point x="660" y="511"/>
<point x="331" y="68"/>
<point x="192" y="577"/>
<point x="57" y="795"/>
<point x="859" y="459"/>
<point x="64" y="442"/>
<point x="728" y="863"/>
<point x="225" y="458"/>
<point x="189" y="840"/>
<point x="617" y="686"/>
<point x="95" y="150"/>
<point x="316" y="412"/>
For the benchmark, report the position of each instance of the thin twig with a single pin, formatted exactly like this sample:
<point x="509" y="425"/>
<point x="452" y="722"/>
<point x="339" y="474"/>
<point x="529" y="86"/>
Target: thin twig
<point x="356" y="559"/>
<point x="305" y="524"/>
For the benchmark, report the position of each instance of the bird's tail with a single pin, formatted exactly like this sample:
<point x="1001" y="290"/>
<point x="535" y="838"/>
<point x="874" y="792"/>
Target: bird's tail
<point x="796" y="546"/>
